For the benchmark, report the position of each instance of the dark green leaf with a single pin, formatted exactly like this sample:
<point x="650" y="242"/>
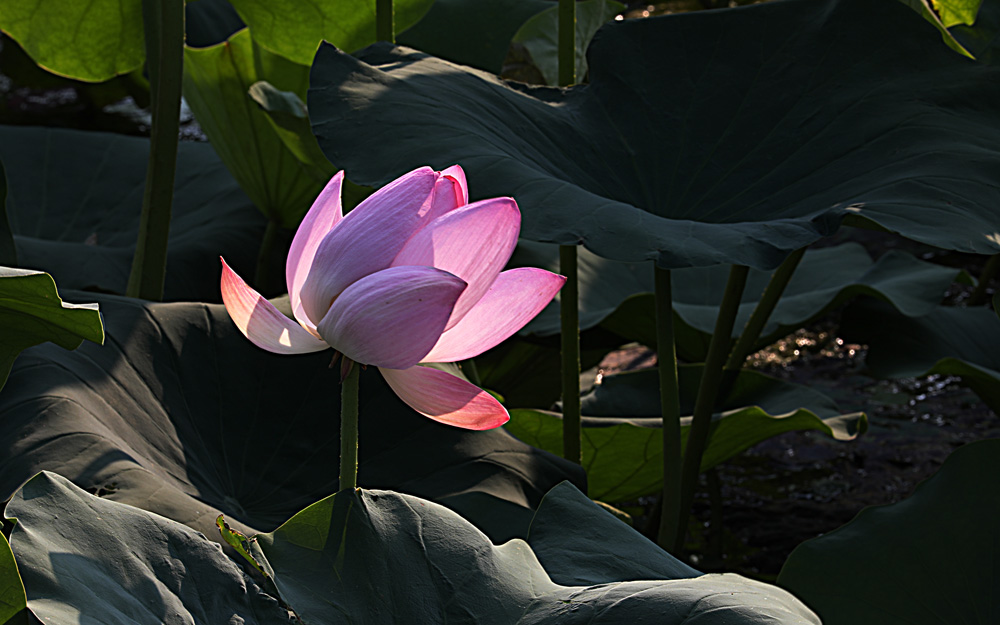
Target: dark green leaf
<point x="91" y="41"/>
<point x="791" y="116"/>
<point x="89" y="560"/>
<point x="948" y="341"/>
<point x="216" y="85"/>
<point x="31" y="313"/>
<point x="374" y="557"/>
<point x="928" y="559"/>
<point x="294" y="29"/>
<point x="74" y="203"/>
<point x="623" y="442"/>
<point x="983" y="37"/>
<point x="209" y="22"/>
<point x="540" y="35"/>
<point x="476" y="33"/>
<point x="12" y="598"/>
<point x="179" y="414"/>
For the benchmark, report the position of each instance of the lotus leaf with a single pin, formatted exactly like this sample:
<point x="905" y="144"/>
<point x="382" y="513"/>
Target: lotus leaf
<point x="743" y="135"/>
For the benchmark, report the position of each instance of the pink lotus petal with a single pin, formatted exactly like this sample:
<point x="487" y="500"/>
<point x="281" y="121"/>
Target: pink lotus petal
<point x="456" y="173"/>
<point x="450" y="192"/>
<point x="446" y="398"/>
<point x="393" y="317"/>
<point x="513" y="300"/>
<point x="324" y="215"/>
<point x="367" y="239"/>
<point x="261" y="322"/>
<point x="473" y="242"/>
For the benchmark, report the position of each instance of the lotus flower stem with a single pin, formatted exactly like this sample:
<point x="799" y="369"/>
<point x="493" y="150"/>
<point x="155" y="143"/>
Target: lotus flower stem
<point x="263" y="275"/>
<point x="666" y="355"/>
<point x="758" y="319"/>
<point x="570" y="347"/>
<point x="163" y="21"/>
<point x="989" y="272"/>
<point x="349" y="428"/>
<point x="567" y="42"/>
<point x="385" y="29"/>
<point x="705" y="403"/>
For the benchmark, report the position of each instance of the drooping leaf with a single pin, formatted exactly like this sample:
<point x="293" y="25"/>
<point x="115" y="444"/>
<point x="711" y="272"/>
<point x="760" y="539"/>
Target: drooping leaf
<point x="948" y="341"/>
<point x="179" y="414"/>
<point x="623" y="442"/>
<point x="87" y="559"/>
<point x="540" y="36"/>
<point x="381" y="557"/>
<point x="8" y="254"/>
<point x="74" y="203"/>
<point x="31" y="313"/>
<point x="928" y="559"/>
<point x="91" y="41"/>
<point x="476" y="33"/>
<point x="618" y="296"/>
<point x="294" y="29"/>
<point x="12" y="598"/>
<point x="791" y="117"/>
<point x="216" y="84"/>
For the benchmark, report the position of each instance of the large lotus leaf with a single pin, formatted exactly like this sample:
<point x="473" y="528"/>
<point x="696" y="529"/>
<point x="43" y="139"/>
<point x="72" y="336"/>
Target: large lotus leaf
<point x="75" y="199"/>
<point x="623" y="442"/>
<point x="931" y="558"/>
<point x="89" y="560"/>
<point x="12" y="598"/>
<point x="540" y="36"/>
<point x="216" y="82"/>
<point x="948" y="341"/>
<point x="180" y="415"/>
<point x="375" y="557"/>
<point x="619" y="295"/>
<point x="31" y="312"/>
<point x="790" y="117"/>
<point x="294" y="29"/>
<point x="476" y="33"/>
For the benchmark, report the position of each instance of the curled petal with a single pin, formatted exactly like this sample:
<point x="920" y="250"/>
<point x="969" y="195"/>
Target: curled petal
<point x="451" y="191"/>
<point x="367" y="239"/>
<point x="514" y="299"/>
<point x="324" y="215"/>
<point x="393" y="317"/>
<point x="473" y="242"/>
<point x="446" y="398"/>
<point x="261" y="322"/>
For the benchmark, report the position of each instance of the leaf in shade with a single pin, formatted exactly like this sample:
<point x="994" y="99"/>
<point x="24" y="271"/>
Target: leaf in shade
<point x="216" y="85"/>
<point x="946" y="14"/>
<point x="208" y="22"/>
<point x="623" y="442"/>
<point x="74" y="205"/>
<point x="792" y="117"/>
<point x="294" y="29"/>
<point x="948" y="341"/>
<point x="982" y="37"/>
<point x="930" y="558"/>
<point x="12" y="598"/>
<point x="31" y="313"/>
<point x="618" y="296"/>
<point x="180" y="415"/>
<point x="89" y="560"/>
<point x="377" y="557"/>
<point x="476" y="33"/>
<point x="540" y="35"/>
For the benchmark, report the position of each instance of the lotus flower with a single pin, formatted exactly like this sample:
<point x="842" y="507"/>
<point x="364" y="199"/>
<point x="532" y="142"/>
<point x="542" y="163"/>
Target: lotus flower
<point x="411" y="276"/>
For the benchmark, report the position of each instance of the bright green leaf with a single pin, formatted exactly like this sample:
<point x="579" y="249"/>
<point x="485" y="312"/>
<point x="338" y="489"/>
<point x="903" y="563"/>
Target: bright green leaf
<point x="216" y="85"/>
<point x="954" y="12"/>
<point x="294" y="29"/>
<point x="792" y="117"/>
<point x="928" y="9"/>
<point x="12" y="599"/>
<point x="926" y="560"/>
<point x="85" y="559"/>
<point x="31" y="313"/>
<point x="540" y="35"/>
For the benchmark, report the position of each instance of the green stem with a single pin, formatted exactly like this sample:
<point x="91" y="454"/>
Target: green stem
<point x="349" y="429"/>
<point x="570" y="351"/>
<point x="713" y="549"/>
<point x="666" y="355"/>
<point x="262" y="277"/>
<point x="701" y="421"/>
<point x="978" y="296"/>
<point x="471" y="371"/>
<point x="567" y="42"/>
<point x="163" y="21"/>
<point x="758" y="319"/>
<point x="385" y="29"/>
